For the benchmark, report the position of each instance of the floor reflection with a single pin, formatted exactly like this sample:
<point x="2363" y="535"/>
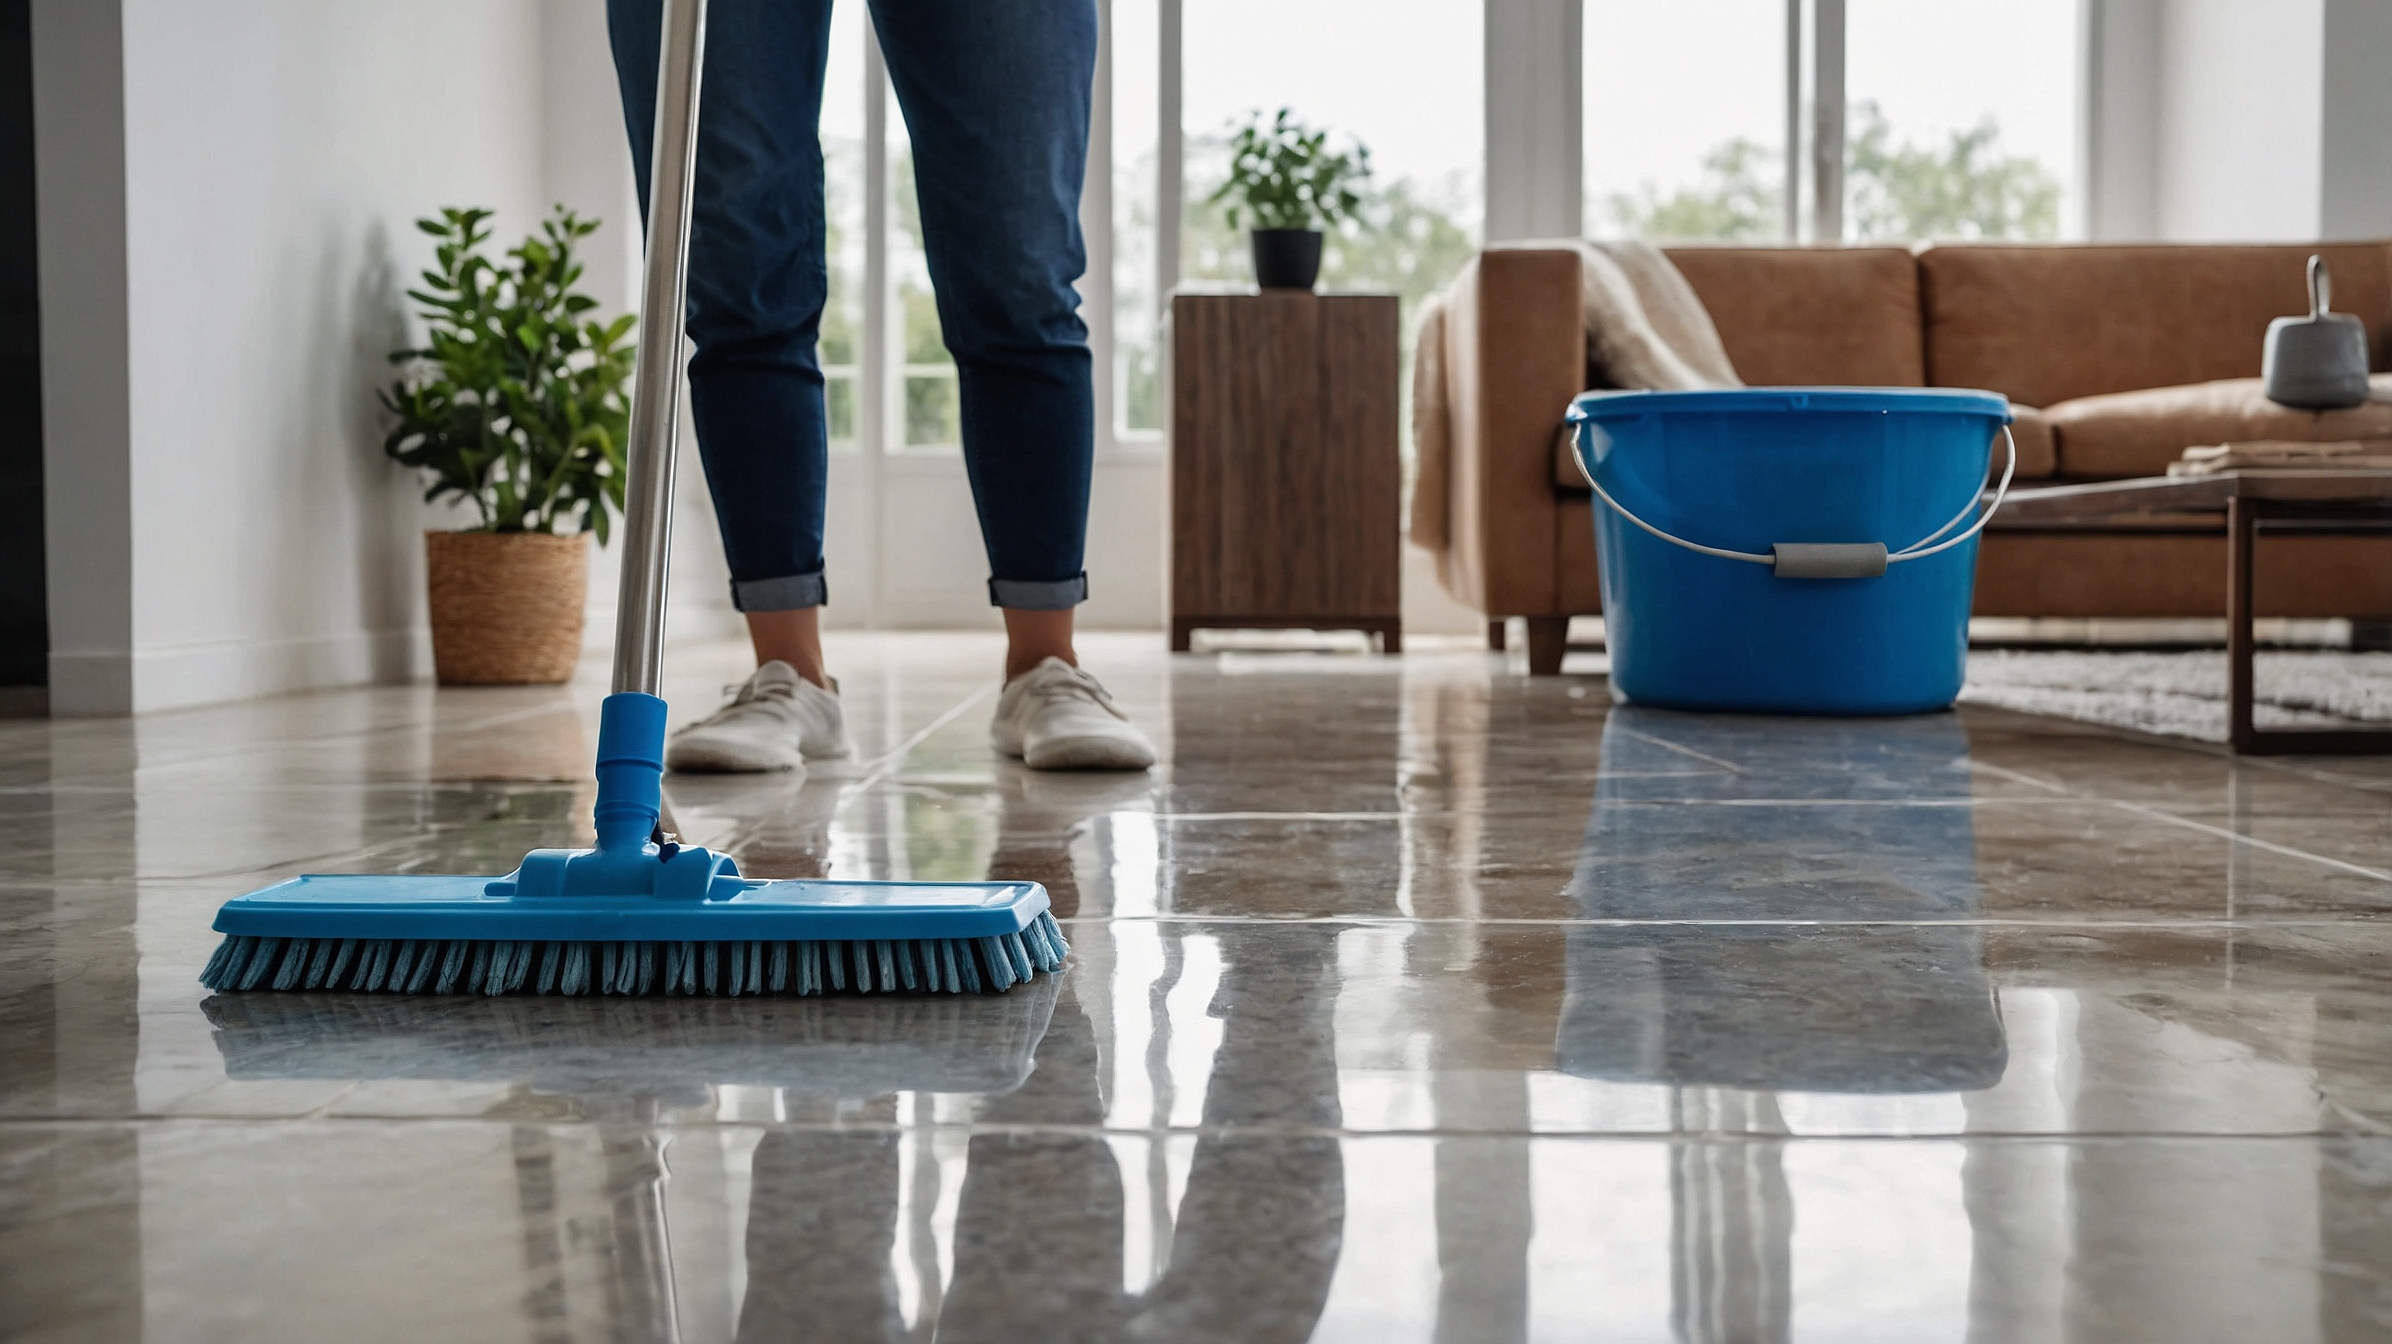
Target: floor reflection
<point x="1410" y="1001"/>
<point x="1247" y="1254"/>
<point x="1738" y="1002"/>
<point x="607" y="1058"/>
<point x="1814" y="824"/>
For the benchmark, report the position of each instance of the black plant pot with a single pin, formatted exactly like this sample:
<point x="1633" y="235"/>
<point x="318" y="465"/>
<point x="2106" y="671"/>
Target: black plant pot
<point x="1287" y="258"/>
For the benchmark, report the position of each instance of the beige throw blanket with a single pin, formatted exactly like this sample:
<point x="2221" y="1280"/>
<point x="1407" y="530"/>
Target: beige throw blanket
<point x="1644" y="329"/>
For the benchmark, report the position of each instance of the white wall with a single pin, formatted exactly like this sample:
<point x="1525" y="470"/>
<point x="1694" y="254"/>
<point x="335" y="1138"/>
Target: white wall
<point x="584" y="160"/>
<point x="2120" y="88"/>
<point x="274" y="154"/>
<point x="586" y="164"/>
<point x="1534" y="144"/>
<point x="228" y="198"/>
<point x="2355" y="156"/>
<point x="2239" y="120"/>
<point x="79" y="123"/>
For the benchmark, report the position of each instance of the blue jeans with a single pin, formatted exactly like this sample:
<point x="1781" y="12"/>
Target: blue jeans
<point x="995" y="96"/>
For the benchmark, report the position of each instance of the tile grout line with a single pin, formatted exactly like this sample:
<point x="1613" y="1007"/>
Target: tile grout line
<point x="2253" y="841"/>
<point x="1567" y="921"/>
<point x="1729" y="766"/>
<point x="252" y="748"/>
<point x="2298" y="767"/>
<point x="881" y="767"/>
<point x="1262" y="1130"/>
<point x="2150" y="813"/>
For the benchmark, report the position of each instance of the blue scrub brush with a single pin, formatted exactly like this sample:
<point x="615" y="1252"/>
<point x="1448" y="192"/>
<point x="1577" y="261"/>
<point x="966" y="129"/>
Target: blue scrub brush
<point x="636" y="915"/>
<point x="639" y="914"/>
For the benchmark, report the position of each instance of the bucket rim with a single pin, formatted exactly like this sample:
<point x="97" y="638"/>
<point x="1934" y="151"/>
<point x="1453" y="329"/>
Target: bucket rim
<point x="1620" y="405"/>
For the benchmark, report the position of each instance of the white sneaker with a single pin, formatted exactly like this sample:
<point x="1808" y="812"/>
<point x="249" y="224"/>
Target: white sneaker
<point x="775" y="720"/>
<point x="1057" y="717"/>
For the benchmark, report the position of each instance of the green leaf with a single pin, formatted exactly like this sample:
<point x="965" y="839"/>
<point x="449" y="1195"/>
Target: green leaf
<point x="512" y="402"/>
<point x="1283" y="175"/>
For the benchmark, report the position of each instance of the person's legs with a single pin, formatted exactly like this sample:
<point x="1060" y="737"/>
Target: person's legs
<point x="996" y="99"/>
<point x="793" y="636"/>
<point x="996" y="102"/>
<point x="1032" y="637"/>
<point x="756" y="290"/>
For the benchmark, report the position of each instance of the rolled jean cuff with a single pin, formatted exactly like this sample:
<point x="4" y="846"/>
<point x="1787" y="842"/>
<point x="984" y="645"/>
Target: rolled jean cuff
<point x="786" y="593"/>
<point x="1029" y="595"/>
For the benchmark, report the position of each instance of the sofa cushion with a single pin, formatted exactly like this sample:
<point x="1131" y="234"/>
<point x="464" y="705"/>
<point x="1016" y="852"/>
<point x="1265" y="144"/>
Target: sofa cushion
<point x="2139" y="433"/>
<point x="2043" y="324"/>
<point x="1799" y="316"/>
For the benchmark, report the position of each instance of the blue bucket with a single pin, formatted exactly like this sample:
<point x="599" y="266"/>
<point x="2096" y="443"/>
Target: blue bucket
<point x="1789" y="550"/>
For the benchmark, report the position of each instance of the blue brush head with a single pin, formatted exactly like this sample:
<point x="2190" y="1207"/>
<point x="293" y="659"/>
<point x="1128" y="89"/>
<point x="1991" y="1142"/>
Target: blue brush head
<point x="636" y="915"/>
<point x="536" y="965"/>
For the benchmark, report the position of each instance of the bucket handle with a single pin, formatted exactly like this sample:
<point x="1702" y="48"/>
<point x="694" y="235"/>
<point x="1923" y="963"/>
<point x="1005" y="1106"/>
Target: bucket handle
<point x="1811" y="560"/>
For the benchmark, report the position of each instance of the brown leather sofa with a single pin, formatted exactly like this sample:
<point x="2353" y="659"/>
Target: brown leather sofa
<point x="2117" y="358"/>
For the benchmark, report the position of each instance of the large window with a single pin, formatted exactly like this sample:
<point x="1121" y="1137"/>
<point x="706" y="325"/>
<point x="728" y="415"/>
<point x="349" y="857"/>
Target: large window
<point x="843" y="199"/>
<point x="1685" y="119"/>
<point x="1957" y="119"/>
<point x="1135" y="44"/>
<point x="1960" y="119"/>
<point x="1409" y="91"/>
<point x="1172" y="79"/>
<point x="1403" y="81"/>
<point x="928" y="412"/>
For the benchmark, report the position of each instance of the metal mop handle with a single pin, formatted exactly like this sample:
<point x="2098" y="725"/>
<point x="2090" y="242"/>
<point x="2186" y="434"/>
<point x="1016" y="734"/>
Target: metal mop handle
<point x="656" y="389"/>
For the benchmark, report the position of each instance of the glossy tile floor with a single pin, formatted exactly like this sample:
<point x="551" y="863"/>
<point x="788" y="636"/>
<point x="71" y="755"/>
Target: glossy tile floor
<point x="1411" y="999"/>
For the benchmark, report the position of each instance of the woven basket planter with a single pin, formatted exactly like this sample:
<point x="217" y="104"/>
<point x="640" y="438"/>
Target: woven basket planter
<point x="506" y="606"/>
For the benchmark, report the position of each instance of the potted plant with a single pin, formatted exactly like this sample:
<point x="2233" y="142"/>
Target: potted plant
<point x="1284" y="177"/>
<point x="517" y="403"/>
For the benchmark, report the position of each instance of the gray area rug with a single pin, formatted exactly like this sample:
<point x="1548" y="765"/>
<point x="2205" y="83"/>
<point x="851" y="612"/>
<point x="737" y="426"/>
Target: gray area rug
<point x="2182" y="694"/>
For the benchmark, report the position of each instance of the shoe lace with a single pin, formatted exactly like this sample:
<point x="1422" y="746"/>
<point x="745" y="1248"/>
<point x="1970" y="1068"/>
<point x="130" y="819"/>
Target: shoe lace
<point x="740" y="693"/>
<point x="1077" y="685"/>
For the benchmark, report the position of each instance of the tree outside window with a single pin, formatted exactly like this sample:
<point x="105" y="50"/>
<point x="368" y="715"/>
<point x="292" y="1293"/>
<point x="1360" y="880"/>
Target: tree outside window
<point x="1965" y="187"/>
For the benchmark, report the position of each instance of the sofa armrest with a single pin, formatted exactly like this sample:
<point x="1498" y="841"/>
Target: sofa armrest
<point x="1515" y="356"/>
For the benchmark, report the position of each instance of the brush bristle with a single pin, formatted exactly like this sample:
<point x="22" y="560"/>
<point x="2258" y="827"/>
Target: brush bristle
<point x="726" y="969"/>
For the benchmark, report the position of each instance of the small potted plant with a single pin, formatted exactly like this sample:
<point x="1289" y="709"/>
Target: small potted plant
<point x="517" y="403"/>
<point x="1285" y="178"/>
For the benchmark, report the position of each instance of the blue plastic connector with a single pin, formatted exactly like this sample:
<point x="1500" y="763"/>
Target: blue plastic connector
<point x="630" y="769"/>
<point x="627" y="861"/>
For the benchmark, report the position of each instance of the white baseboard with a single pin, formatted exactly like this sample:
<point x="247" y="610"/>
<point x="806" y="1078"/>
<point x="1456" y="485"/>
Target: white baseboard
<point x="180" y="676"/>
<point x="90" y="685"/>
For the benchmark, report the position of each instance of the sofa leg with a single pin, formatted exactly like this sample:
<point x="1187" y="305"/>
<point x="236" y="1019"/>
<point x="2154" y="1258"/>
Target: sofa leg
<point x="1495" y="631"/>
<point x="1548" y="639"/>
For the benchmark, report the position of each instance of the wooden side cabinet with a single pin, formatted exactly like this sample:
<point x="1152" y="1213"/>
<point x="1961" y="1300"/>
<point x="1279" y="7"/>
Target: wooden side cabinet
<point x="1285" y="472"/>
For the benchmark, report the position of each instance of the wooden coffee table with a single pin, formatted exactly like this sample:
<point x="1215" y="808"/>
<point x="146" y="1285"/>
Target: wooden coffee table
<point x="2361" y="499"/>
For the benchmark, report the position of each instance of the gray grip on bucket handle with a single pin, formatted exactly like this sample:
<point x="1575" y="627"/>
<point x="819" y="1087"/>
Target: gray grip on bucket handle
<point x="1831" y="560"/>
